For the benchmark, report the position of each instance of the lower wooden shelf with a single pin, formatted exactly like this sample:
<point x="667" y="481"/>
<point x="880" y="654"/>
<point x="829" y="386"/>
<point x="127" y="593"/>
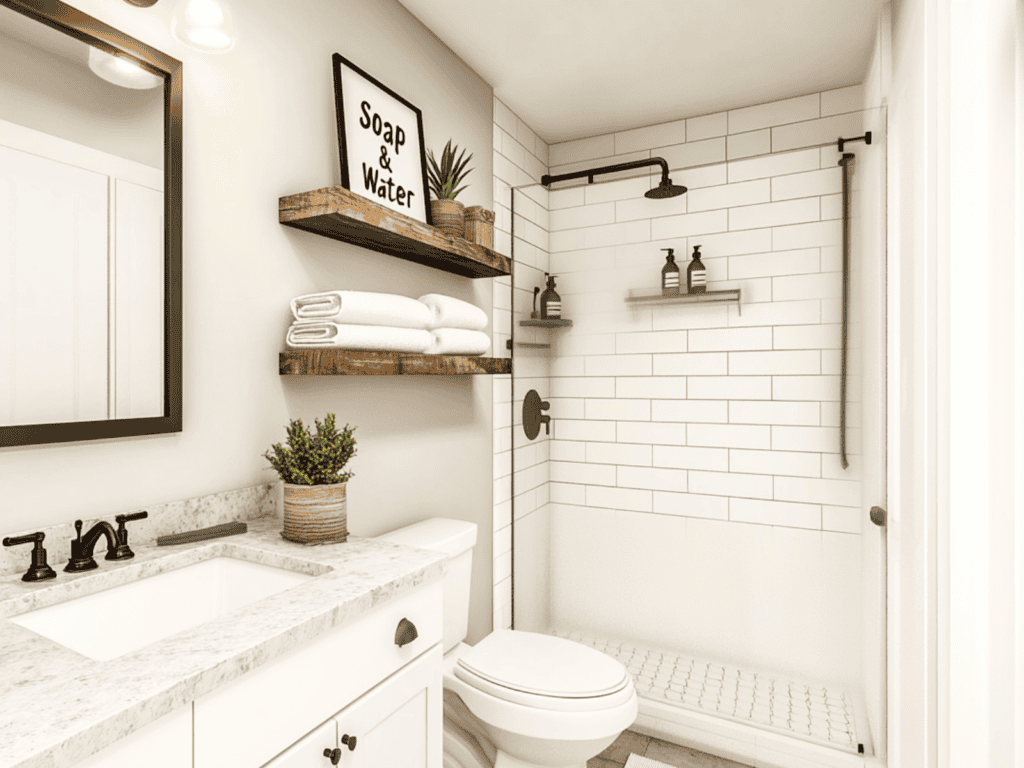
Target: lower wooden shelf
<point x="356" y="362"/>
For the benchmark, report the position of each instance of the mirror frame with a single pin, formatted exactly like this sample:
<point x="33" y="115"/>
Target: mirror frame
<point x="64" y="18"/>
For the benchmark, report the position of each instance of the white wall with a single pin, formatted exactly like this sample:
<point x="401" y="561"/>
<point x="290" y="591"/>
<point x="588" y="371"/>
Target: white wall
<point x="259" y="123"/>
<point x="697" y="495"/>
<point x="955" y="384"/>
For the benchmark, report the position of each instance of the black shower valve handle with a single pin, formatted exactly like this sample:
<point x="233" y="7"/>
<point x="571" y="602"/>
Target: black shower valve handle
<point x="123" y="551"/>
<point x="39" y="570"/>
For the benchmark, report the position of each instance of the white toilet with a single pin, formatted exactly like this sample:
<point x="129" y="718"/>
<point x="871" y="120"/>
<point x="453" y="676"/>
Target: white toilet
<point x="542" y="700"/>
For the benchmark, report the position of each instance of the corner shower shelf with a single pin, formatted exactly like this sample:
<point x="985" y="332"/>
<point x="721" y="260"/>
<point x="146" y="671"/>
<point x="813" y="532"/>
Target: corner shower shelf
<point x="354" y="362"/>
<point x="710" y="297"/>
<point x="538" y="323"/>
<point x="341" y="214"/>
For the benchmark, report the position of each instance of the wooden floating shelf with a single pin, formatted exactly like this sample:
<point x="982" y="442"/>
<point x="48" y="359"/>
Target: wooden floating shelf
<point x="355" y="362"/>
<point x="341" y="214"/>
<point x="710" y="297"/>
<point x="546" y="323"/>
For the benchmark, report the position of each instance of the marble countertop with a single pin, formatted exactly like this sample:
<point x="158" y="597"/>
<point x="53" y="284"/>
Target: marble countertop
<point x="58" y="707"/>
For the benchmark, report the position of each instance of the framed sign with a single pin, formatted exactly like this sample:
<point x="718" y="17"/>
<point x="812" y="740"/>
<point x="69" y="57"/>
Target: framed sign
<point x="380" y="138"/>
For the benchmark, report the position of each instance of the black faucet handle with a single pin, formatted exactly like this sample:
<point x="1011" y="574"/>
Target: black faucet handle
<point x="80" y="561"/>
<point x="122" y="519"/>
<point x="123" y="551"/>
<point x="39" y="570"/>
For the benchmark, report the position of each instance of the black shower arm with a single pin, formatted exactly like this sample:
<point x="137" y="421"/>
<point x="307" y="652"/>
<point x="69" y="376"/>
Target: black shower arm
<point x="591" y="172"/>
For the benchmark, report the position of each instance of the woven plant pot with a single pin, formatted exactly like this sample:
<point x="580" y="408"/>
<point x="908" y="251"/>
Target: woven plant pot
<point x="480" y="226"/>
<point x="315" y="514"/>
<point x="448" y="216"/>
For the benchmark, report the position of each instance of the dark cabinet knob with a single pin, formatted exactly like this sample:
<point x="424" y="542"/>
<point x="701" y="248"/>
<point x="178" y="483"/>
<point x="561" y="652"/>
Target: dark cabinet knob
<point x="334" y="755"/>
<point x="405" y="634"/>
<point x="39" y="570"/>
<point x="350" y="741"/>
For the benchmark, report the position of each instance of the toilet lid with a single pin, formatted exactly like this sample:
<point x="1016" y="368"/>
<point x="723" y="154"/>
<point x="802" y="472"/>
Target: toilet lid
<point x="544" y="665"/>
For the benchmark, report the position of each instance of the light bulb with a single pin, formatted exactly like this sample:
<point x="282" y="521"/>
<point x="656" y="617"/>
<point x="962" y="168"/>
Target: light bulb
<point x="204" y="25"/>
<point x="121" y="71"/>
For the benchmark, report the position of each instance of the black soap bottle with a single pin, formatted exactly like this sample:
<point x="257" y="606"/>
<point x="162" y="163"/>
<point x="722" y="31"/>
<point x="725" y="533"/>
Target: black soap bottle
<point x="696" y="274"/>
<point x="670" y="275"/>
<point x="550" y="301"/>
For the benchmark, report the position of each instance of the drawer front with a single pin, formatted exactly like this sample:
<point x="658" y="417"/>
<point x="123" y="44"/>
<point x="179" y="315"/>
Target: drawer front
<point x="248" y="721"/>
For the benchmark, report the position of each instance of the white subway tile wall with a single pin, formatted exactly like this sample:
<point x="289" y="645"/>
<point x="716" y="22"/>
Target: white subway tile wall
<point x="521" y="158"/>
<point x="700" y="411"/>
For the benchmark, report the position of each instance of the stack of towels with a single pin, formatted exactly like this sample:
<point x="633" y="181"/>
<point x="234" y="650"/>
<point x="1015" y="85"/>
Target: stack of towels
<point x="432" y="325"/>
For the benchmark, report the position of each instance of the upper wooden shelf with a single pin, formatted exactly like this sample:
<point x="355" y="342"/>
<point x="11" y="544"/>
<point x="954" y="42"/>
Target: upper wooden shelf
<point x="351" y="362"/>
<point x="341" y="214"/>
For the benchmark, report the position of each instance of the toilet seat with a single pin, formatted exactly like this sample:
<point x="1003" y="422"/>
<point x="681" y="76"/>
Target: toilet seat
<point x="544" y="672"/>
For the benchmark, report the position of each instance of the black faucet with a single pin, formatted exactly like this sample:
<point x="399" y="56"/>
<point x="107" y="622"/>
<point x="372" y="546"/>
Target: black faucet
<point x="117" y="543"/>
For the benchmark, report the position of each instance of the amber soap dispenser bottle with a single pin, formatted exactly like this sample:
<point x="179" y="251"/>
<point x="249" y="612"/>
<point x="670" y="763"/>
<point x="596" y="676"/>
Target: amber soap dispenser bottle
<point x="550" y="301"/>
<point x="670" y="275"/>
<point x="696" y="274"/>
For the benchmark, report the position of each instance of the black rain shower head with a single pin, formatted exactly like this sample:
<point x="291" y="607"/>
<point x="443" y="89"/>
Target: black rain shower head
<point x="664" y="190"/>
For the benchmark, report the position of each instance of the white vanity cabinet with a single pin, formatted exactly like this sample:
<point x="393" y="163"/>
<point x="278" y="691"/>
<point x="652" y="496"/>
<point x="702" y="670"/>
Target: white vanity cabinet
<point x="249" y="721"/>
<point x="398" y="723"/>
<point x="352" y="680"/>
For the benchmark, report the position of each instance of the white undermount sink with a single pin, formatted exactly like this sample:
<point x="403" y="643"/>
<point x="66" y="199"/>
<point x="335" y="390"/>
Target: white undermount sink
<point x="116" y="621"/>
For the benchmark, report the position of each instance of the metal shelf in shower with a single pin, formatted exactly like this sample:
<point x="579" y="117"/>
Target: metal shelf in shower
<point x="538" y="323"/>
<point x="709" y="297"/>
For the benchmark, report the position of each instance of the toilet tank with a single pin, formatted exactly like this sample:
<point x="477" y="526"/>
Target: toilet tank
<point x="456" y="538"/>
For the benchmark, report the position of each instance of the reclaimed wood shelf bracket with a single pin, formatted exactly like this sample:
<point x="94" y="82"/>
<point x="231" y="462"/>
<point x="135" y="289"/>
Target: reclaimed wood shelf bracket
<point x="356" y="362"/>
<point x="340" y="214"/>
<point x="709" y="297"/>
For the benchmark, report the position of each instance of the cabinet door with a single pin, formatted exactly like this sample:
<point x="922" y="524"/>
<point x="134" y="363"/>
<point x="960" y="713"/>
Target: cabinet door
<point x="164" y="743"/>
<point x="309" y="751"/>
<point x="398" y="723"/>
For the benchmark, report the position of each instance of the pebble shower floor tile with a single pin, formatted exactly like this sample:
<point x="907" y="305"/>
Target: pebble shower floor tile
<point x="807" y="711"/>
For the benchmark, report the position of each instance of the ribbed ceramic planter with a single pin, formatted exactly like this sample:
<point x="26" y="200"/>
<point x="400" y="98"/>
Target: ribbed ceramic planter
<point x="448" y="216"/>
<point x="315" y="514"/>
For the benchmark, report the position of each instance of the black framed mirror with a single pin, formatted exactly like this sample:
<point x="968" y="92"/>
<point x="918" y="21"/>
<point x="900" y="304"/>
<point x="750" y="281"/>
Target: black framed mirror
<point x="90" y="230"/>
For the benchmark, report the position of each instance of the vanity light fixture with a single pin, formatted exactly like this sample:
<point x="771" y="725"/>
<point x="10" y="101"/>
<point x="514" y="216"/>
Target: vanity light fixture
<point x="122" y="71"/>
<point x="204" y="25"/>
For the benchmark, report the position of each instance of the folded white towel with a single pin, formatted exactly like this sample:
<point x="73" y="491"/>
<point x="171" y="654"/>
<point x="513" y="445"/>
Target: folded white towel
<point x="453" y="313"/>
<point x="375" y="337"/>
<point x="361" y="308"/>
<point x="458" y="341"/>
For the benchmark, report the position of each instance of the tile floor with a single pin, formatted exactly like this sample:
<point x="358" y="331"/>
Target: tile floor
<point x="631" y="742"/>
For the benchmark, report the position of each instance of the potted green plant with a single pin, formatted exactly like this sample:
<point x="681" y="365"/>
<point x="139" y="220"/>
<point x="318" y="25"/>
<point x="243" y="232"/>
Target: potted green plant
<point x="445" y="179"/>
<point x="315" y="502"/>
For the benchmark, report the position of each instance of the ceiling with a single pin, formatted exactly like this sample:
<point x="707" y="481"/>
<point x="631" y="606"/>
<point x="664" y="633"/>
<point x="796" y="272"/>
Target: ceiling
<point x="575" y="68"/>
